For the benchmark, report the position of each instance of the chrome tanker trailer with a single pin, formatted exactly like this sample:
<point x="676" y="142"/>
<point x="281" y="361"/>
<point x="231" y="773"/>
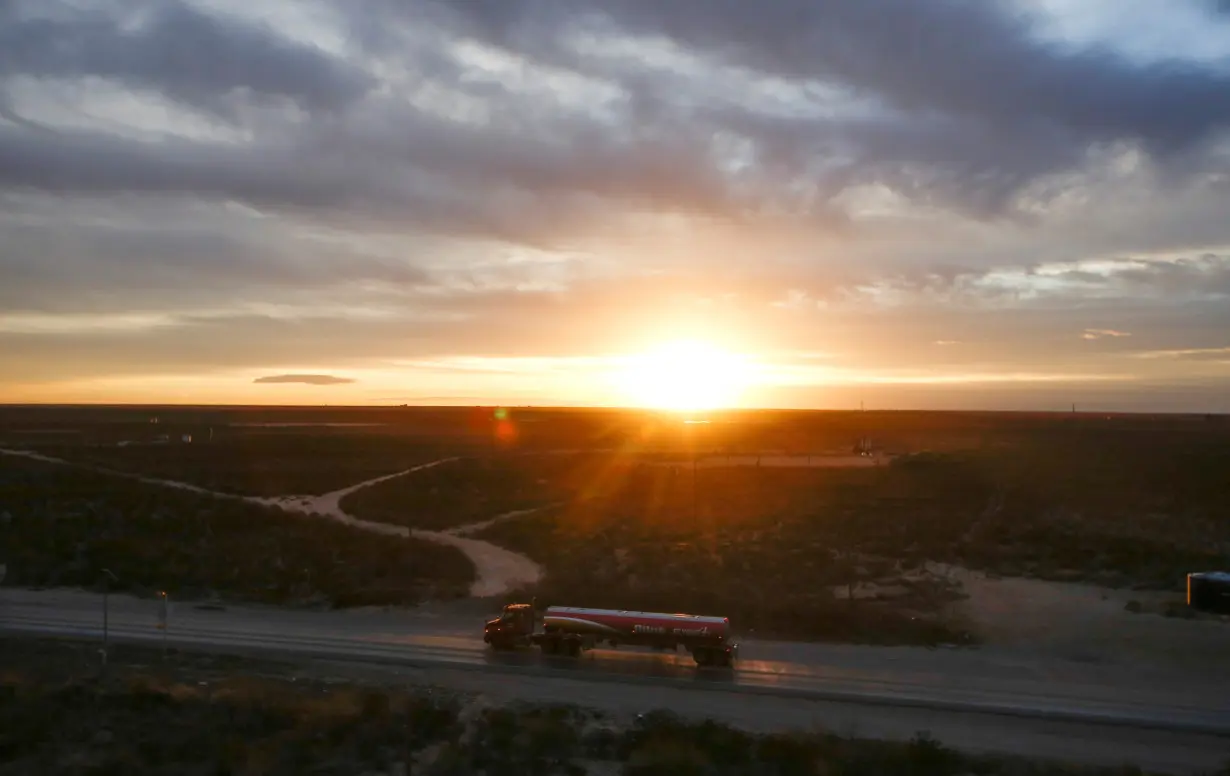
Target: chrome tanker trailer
<point x="567" y="630"/>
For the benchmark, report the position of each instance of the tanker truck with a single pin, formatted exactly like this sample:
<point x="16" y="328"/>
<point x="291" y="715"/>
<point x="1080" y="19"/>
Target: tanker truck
<point x="570" y="630"/>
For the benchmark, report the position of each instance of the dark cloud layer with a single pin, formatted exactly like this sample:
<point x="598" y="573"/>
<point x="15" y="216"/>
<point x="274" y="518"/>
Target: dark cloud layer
<point x="171" y="46"/>
<point x="971" y="110"/>
<point x="977" y="103"/>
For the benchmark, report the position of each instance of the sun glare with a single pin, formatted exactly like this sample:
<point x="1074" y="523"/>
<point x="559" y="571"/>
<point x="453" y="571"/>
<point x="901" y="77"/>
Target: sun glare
<point x="684" y="375"/>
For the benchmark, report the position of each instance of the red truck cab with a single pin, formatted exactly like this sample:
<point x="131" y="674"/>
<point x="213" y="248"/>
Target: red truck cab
<point x="515" y="624"/>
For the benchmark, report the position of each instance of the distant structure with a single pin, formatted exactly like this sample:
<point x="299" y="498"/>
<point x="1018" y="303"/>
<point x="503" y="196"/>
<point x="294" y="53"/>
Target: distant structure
<point x="186" y="438"/>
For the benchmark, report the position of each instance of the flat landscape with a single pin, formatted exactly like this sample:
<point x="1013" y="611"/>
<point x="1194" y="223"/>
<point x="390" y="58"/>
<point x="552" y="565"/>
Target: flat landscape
<point x="768" y="518"/>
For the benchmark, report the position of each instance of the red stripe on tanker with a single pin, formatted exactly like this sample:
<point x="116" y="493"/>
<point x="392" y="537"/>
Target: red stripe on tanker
<point x="612" y="621"/>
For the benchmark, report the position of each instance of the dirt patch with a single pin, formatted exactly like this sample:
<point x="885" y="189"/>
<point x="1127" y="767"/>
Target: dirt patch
<point x="499" y="570"/>
<point x="1085" y="622"/>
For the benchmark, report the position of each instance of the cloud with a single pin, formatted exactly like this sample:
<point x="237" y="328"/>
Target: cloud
<point x="1188" y="354"/>
<point x="201" y="59"/>
<point x="172" y="257"/>
<point x="963" y="97"/>
<point x="305" y="379"/>
<point x="1093" y="334"/>
<point x="993" y="112"/>
<point x="211" y="184"/>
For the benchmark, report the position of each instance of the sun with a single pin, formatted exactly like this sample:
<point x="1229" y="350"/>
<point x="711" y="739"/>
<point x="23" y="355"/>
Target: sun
<point x="684" y="375"/>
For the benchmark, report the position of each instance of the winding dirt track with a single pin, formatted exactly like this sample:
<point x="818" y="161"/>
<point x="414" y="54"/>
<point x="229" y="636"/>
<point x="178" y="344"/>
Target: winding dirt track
<point x="497" y="570"/>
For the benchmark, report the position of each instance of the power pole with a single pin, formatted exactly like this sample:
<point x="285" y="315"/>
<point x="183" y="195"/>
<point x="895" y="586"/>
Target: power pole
<point x="108" y="577"/>
<point x="693" y="484"/>
<point x="162" y="620"/>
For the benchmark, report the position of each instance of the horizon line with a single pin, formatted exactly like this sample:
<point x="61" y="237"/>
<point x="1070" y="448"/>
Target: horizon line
<point x="603" y="407"/>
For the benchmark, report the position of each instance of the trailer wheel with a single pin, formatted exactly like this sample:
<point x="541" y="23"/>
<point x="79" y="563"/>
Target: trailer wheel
<point x="549" y="646"/>
<point x="702" y="656"/>
<point x="572" y="648"/>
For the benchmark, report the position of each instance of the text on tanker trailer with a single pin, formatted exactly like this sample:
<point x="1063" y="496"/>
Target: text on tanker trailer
<point x="569" y="630"/>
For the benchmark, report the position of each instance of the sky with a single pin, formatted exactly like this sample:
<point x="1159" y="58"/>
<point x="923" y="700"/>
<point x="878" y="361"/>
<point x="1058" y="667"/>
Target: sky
<point x="990" y="204"/>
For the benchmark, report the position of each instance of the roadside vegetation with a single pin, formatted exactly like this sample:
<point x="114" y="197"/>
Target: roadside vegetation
<point x="198" y="714"/>
<point x="61" y="526"/>
<point x="271" y="464"/>
<point x="859" y="554"/>
<point x="745" y="551"/>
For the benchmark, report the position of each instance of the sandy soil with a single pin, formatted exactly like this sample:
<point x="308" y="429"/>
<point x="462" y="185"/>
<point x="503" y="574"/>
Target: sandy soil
<point x="1089" y="624"/>
<point x="497" y="570"/>
<point x="472" y="528"/>
<point x="1076" y="622"/>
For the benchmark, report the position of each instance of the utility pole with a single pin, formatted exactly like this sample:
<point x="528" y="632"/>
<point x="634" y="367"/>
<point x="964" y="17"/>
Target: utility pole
<point x="162" y="620"/>
<point x="694" y="485"/>
<point x="108" y="578"/>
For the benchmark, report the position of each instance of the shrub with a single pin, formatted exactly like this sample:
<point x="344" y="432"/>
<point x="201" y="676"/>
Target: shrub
<point x="65" y="525"/>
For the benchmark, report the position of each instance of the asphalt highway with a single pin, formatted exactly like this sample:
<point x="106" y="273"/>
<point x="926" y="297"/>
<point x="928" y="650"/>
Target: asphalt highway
<point x="976" y="699"/>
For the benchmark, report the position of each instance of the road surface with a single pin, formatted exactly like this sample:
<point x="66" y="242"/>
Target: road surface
<point x="974" y="699"/>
